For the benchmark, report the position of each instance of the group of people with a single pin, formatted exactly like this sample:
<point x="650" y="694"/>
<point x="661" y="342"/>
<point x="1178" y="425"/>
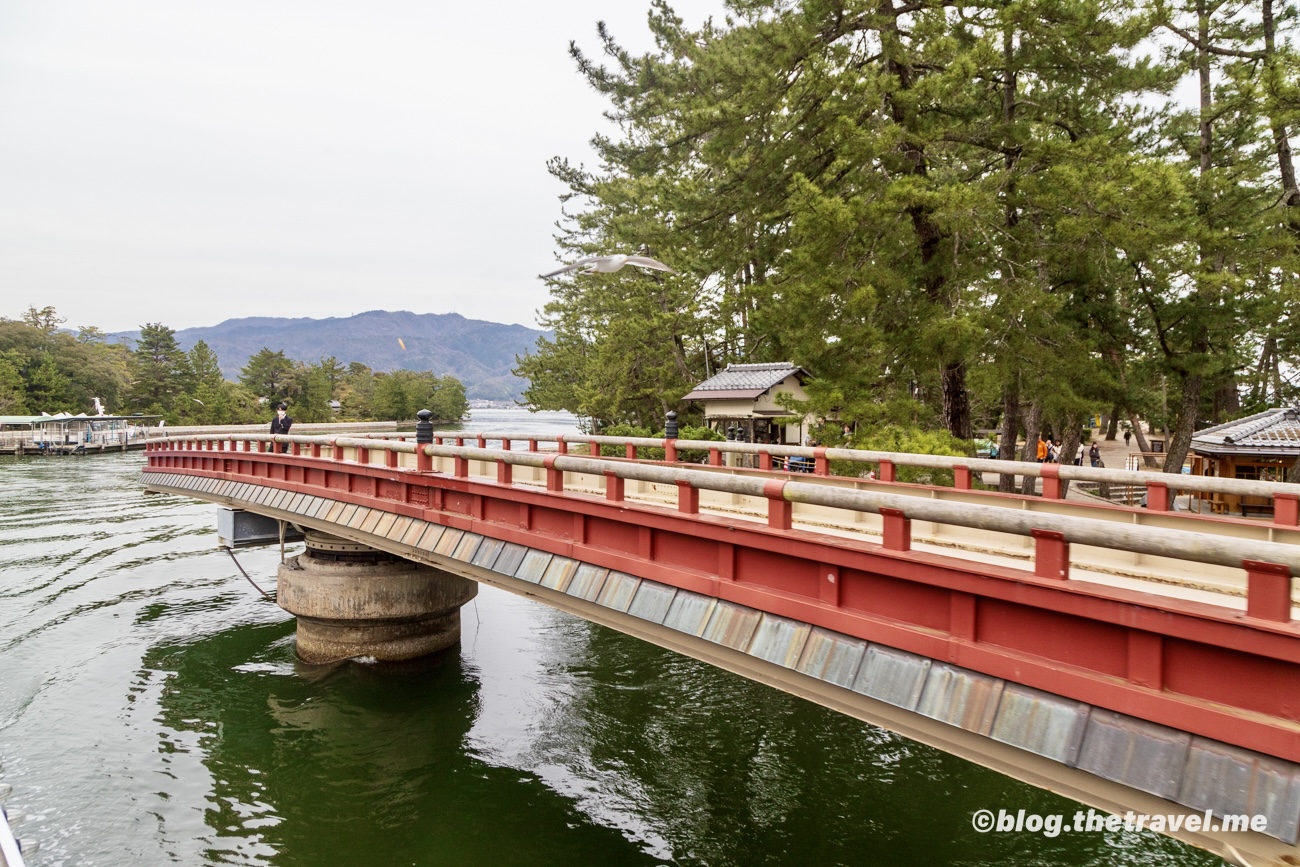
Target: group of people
<point x="1049" y="452"/>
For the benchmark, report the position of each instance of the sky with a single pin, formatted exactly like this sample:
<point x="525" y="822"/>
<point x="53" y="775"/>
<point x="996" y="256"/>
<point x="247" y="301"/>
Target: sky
<point x="188" y="163"/>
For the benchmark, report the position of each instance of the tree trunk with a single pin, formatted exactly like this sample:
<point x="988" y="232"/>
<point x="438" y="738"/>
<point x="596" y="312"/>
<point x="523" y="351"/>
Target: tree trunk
<point x="1268" y="374"/>
<point x="956" y="401"/>
<point x="1206" y="86"/>
<point x="1181" y="441"/>
<point x="1281" y="137"/>
<point x="1010" y="425"/>
<point x="1011" y="216"/>
<point x="1227" y="400"/>
<point x="1143" y="445"/>
<point x="929" y="233"/>
<point x="1070" y="440"/>
<point x="1112" y="427"/>
<point x="1033" y="421"/>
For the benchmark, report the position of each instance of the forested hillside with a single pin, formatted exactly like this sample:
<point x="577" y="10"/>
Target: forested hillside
<point x="479" y="354"/>
<point x="956" y="216"/>
<point x="44" y="368"/>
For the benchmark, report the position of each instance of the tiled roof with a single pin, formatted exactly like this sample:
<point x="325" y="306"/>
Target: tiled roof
<point x="1272" y="432"/>
<point x="752" y="379"/>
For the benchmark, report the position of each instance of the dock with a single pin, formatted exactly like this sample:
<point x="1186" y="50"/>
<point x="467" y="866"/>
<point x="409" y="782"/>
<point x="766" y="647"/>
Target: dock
<point x="52" y="435"/>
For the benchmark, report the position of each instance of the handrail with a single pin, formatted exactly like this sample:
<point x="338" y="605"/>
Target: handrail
<point x="1176" y="544"/>
<point x="1180" y="544"/>
<point x="1070" y="472"/>
<point x="1051" y="472"/>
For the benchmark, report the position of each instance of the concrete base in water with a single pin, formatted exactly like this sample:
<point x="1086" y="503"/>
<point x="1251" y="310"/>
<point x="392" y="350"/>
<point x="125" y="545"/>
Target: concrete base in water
<point x="353" y="601"/>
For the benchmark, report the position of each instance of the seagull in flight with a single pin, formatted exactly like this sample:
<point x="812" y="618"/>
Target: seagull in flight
<point x="609" y="264"/>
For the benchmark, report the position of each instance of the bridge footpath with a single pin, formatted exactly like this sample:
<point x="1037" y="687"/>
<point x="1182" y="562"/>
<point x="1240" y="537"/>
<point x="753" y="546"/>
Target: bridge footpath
<point x="1130" y="658"/>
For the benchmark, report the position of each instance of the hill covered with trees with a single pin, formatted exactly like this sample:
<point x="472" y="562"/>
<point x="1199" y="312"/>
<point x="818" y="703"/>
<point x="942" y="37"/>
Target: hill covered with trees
<point x="46" y="369"/>
<point x="479" y="354"/>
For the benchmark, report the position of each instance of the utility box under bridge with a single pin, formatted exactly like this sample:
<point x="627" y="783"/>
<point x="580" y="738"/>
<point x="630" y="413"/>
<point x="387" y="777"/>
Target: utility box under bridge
<point x="237" y="528"/>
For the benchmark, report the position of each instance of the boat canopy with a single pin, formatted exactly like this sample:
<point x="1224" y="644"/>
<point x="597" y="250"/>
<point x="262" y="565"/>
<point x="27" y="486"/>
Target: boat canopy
<point x="65" y="417"/>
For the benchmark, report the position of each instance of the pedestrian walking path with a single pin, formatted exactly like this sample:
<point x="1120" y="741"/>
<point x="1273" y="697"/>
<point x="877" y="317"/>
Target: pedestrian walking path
<point x="1115" y="455"/>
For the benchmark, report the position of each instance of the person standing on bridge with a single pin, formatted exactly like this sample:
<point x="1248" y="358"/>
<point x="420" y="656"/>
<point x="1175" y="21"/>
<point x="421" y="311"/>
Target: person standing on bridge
<point x="281" y="424"/>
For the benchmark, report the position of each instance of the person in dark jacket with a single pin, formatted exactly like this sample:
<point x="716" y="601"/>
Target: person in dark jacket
<point x="281" y="424"/>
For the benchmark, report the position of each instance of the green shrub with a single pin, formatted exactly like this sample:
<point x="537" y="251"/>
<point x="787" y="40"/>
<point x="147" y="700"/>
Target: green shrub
<point x="908" y="440"/>
<point x="696" y="456"/>
<point x="657" y="454"/>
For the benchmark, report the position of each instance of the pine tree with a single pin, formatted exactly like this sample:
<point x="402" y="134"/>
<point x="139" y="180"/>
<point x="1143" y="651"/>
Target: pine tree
<point x="204" y="366"/>
<point x="313" y="400"/>
<point x="267" y="375"/>
<point x="46" y="319"/>
<point x="159" y="370"/>
<point x="1198" y="294"/>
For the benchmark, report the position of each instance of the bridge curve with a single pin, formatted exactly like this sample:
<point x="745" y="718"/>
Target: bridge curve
<point x="1107" y="693"/>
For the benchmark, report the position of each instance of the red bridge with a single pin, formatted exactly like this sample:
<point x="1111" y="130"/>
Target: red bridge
<point x="1134" y="659"/>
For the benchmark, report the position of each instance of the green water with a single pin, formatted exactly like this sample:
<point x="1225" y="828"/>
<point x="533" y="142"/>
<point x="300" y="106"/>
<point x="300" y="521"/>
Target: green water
<point x="152" y="712"/>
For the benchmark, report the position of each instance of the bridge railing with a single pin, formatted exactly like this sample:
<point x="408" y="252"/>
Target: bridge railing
<point x="1269" y="566"/>
<point x="1284" y="496"/>
<point x="1160" y="487"/>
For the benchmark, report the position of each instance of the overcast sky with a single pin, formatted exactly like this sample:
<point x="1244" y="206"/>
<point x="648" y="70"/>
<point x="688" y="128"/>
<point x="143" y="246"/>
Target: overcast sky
<point x="191" y="162"/>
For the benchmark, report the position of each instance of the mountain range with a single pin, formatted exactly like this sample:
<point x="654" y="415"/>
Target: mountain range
<point x="480" y="354"/>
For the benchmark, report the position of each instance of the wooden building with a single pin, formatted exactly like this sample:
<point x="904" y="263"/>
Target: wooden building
<point x="744" y="396"/>
<point x="1263" y="446"/>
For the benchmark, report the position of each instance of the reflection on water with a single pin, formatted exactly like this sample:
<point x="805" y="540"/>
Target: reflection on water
<point x="358" y="764"/>
<point x="152" y="711"/>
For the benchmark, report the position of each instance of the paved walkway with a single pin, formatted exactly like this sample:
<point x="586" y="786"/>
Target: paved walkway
<point x="1115" y="455"/>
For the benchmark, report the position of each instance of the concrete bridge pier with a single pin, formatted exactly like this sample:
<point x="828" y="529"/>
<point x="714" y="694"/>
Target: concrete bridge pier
<point x="354" y="601"/>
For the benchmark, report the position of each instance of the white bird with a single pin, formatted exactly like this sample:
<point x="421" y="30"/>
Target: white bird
<point x="609" y="264"/>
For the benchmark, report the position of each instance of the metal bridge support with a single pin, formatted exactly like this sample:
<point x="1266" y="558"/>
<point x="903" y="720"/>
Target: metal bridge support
<point x="354" y="601"/>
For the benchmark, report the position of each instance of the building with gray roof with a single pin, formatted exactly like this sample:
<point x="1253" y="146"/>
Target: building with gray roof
<point x="1263" y="446"/>
<point x="743" y="397"/>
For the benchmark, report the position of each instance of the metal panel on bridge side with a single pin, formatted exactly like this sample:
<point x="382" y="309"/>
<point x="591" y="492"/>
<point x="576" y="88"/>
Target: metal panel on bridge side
<point x="832" y="657"/>
<point x="962" y="698"/>
<point x="1230" y="780"/>
<point x="1135" y="752"/>
<point x="1041" y="723"/>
